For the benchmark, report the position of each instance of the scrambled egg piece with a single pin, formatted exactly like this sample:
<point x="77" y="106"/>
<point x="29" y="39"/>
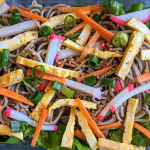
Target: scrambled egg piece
<point x="139" y="26"/>
<point x="2" y="1"/>
<point x="11" y="78"/>
<point x="48" y="68"/>
<point x="6" y="130"/>
<point x="145" y="54"/>
<point x="93" y="51"/>
<point x="131" y="109"/>
<point x="71" y="103"/>
<point x="36" y="113"/>
<point x="18" y="41"/>
<point x="83" y="37"/>
<point x="131" y="51"/>
<point x="67" y="140"/>
<point x="59" y="19"/>
<point x="90" y="137"/>
<point x="133" y="147"/>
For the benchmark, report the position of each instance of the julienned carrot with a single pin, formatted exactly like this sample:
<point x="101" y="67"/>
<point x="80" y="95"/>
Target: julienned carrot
<point x="39" y="126"/>
<point x="0" y="107"/>
<point x="62" y="64"/>
<point x="110" y="126"/>
<point x="78" y="27"/>
<point x="80" y="135"/>
<point x="28" y="14"/>
<point x="143" y="77"/>
<point x="99" y="9"/>
<point x="96" y="73"/>
<point x="14" y="95"/>
<point x="89" y="119"/>
<point x="142" y="129"/>
<point x="107" y="35"/>
<point x="48" y="86"/>
<point x="47" y="76"/>
<point x="89" y="46"/>
<point x="75" y="9"/>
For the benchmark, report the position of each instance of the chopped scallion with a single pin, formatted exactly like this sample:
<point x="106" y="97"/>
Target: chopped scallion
<point x="42" y="73"/>
<point x="147" y="99"/>
<point x="90" y="80"/>
<point x="96" y="18"/>
<point x="45" y="31"/>
<point x="67" y="92"/>
<point x="5" y="55"/>
<point x="65" y="22"/>
<point x="15" y="17"/>
<point x="93" y="61"/>
<point x="108" y="82"/>
<point x="57" y="86"/>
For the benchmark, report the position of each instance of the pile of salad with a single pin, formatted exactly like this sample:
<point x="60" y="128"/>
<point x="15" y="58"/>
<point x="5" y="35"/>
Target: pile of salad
<point x="75" y="76"/>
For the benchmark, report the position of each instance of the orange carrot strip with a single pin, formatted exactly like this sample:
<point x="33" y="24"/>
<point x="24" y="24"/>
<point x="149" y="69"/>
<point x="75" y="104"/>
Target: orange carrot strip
<point x="96" y="73"/>
<point x="107" y="35"/>
<point x="47" y="76"/>
<point x="114" y="125"/>
<point x="28" y="14"/>
<point x="78" y="27"/>
<point x="143" y="77"/>
<point x="0" y="107"/>
<point x="142" y="129"/>
<point x="14" y="95"/>
<point x="89" y="46"/>
<point x="80" y="135"/>
<point x="75" y="9"/>
<point x="48" y="86"/>
<point x="89" y="119"/>
<point x="62" y="64"/>
<point x="99" y="9"/>
<point x="39" y="126"/>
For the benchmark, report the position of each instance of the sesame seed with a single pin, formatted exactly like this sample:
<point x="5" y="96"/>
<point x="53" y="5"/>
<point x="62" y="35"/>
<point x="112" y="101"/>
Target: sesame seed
<point x="112" y="89"/>
<point x="58" y="50"/>
<point x="16" y="106"/>
<point x="13" y="104"/>
<point x="59" y="44"/>
<point x="103" y="102"/>
<point x="99" y="106"/>
<point x="22" y="92"/>
<point x="33" y="121"/>
<point x="58" y="54"/>
<point x="117" y="25"/>
<point x="21" y="109"/>
<point x="110" y="45"/>
<point x="101" y="88"/>
<point x="89" y="45"/>
<point x="108" y="99"/>
<point x="103" y="44"/>
<point x="27" y="109"/>
<point x="105" y="117"/>
<point x="60" y="40"/>
<point x="43" y="136"/>
<point x="66" y="49"/>
<point x="105" y="93"/>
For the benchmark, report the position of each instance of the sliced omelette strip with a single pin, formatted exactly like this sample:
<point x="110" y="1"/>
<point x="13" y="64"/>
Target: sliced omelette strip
<point x="131" y="109"/>
<point x="133" y="147"/>
<point x="90" y="137"/>
<point x="139" y="26"/>
<point x="36" y="113"/>
<point x="18" y="41"/>
<point x="131" y="51"/>
<point x="71" y="103"/>
<point x="145" y="54"/>
<point x="48" y="68"/>
<point x="2" y="1"/>
<point x="83" y="37"/>
<point x="6" y="130"/>
<point x="11" y="78"/>
<point x="68" y="136"/>
<point x="59" y="19"/>
<point x="93" y="51"/>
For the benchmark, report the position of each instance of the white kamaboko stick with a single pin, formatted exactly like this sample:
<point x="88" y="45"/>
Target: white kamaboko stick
<point x="96" y="92"/>
<point x="114" y="100"/>
<point x="3" y="8"/>
<point x="18" y="28"/>
<point x="54" y="46"/>
<point x="11" y="113"/>
<point x="136" y="91"/>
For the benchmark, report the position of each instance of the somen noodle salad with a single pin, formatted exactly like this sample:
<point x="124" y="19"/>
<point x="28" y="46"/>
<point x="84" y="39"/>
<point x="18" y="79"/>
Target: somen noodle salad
<point x="75" y="76"/>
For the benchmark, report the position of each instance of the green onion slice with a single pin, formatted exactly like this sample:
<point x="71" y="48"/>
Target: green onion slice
<point x="147" y="98"/>
<point x="15" y="17"/>
<point x="18" y="126"/>
<point x="0" y="59"/>
<point x="29" y="84"/>
<point x="90" y="80"/>
<point x="120" y="39"/>
<point x="93" y="61"/>
<point x="137" y="140"/>
<point x="42" y="73"/>
<point x="108" y="82"/>
<point x="5" y="55"/>
<point x="36" y="97"/>
<point x="45" y="31"/>
<point x="65" y="22"/>
<point x="67" y="92"/>
<point x="96" y="18"/>
<point x="72" y="36"/>
<point x="57" y="86"/>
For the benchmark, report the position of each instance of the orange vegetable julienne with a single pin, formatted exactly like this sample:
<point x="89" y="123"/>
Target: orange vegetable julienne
<point x="80" y="135"/>
<point x="75" y="9"/>
<point x="142" y="129"/>
<point x="99" y="9"/>
<point x="78" y="27"/>
<point x="0" y="107"/>
<point x="143" y="77"/>
<point x="89" y="119"/>
<point x="39" y="126"/>
<point x="107" y="35"/>
<point x="62" y="64"/>
<point x="28" y="14"/>
<point x="48" y="86"/>
<point x="110" y="126"/>
<point x="89" y="46"/>
<point x="47" y="76"/>
<point x="14" y="95"/>
<point x="96" y="73"/>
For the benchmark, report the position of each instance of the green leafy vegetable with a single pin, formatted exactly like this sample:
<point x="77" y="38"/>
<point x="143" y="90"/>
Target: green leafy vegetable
<point x="29" y="131"/>
<point x="137" y="139"/>
<point x="148" y="24"/>
<point x="96" y="18"/>
<point x="2" y="23"/>
<point x="136" y="7"/>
